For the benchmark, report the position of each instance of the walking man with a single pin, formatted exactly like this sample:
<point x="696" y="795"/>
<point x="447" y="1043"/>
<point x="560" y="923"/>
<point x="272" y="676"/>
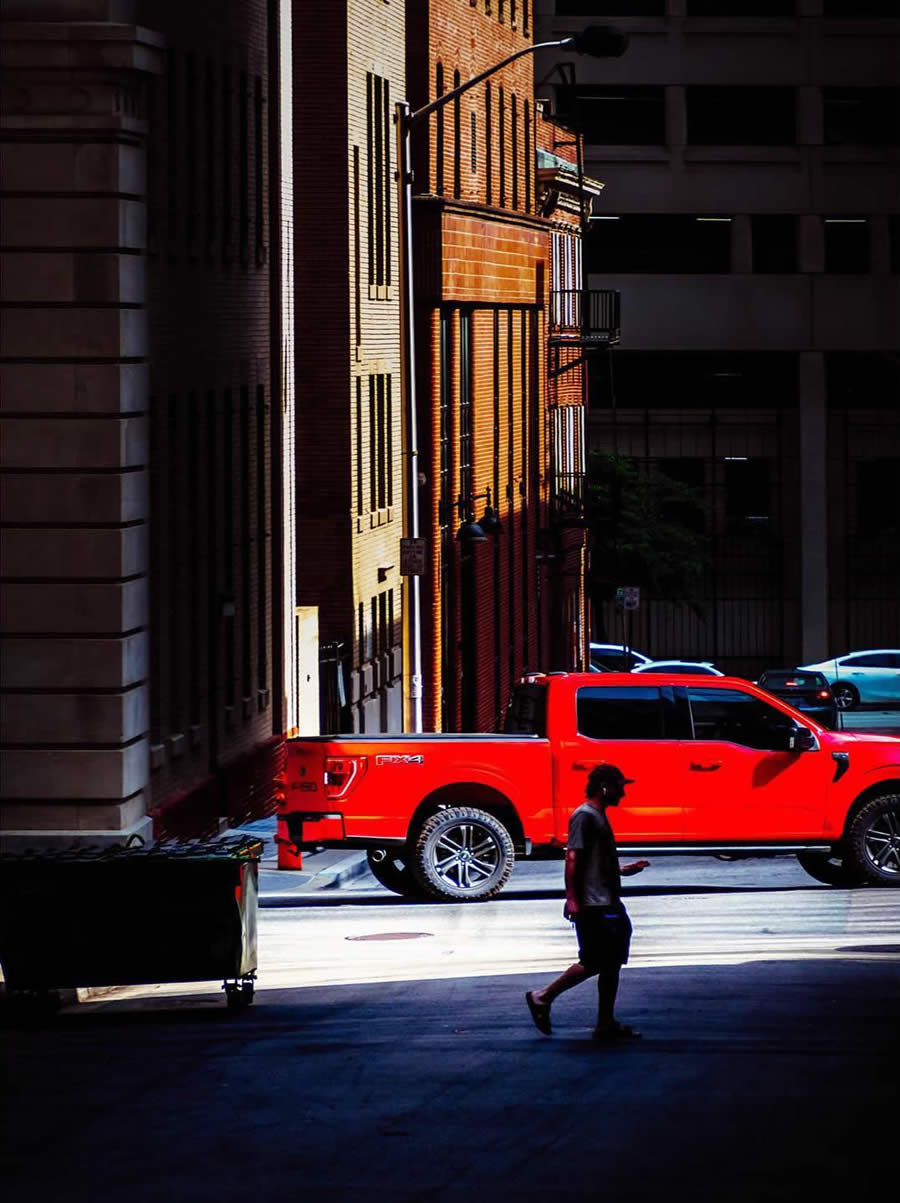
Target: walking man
<point x="593" y="903"/>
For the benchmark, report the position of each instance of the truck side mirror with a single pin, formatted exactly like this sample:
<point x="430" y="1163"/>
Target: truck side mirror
<point x="800" y="739"/>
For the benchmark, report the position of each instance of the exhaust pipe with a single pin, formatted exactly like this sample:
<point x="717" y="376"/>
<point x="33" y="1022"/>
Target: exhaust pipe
<point x="377" y="855"/>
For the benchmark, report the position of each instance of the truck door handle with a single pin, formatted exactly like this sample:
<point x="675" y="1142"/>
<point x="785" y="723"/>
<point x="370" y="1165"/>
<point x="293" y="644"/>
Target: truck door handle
<point x="705" y="768"/>
<point x="580" y="768"/>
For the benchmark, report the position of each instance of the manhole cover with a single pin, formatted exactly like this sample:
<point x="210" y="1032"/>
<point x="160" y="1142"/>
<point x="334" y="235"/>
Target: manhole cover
<point x="393" y="935"/>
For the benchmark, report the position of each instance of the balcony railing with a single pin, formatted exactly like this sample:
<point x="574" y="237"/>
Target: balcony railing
<point x="567" y="497"/>
<point x="585" y="318"/>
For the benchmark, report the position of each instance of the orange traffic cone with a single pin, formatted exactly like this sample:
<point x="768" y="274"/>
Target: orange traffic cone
<point x="289" y="856"/>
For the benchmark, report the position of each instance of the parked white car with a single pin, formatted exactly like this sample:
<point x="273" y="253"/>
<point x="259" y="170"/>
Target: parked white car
<point x="865" y="678"/>
<point x="615" y="657"/>
<point x="697" y="667"/>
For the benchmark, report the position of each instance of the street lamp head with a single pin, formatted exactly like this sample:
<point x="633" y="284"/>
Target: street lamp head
<point x="471" y="532"/>
<point x="600" y="41"/>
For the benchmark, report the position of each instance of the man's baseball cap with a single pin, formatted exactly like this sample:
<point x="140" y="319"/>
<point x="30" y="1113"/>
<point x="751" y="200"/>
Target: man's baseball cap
<point x="608" y="774"/>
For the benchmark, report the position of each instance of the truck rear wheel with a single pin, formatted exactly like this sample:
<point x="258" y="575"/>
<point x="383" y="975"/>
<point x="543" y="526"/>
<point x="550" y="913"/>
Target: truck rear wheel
<point x="873" y="841"/>
<point x="830" y="869"/>
<point x="463" y="855"/>
<point x="392" y="870"/>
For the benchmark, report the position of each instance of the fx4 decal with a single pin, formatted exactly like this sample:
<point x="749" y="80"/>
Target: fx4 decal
<point x="399" y="760"/>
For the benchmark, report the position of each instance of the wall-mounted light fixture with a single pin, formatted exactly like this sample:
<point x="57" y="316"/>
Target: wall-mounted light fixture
<point x="471" y="531"/>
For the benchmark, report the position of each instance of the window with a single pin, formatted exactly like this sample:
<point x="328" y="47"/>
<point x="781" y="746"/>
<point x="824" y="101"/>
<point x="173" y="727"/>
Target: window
<point x="747" y="496"/>
<point x="465" y="404"/>
<point x="867" y="116"/>
<point x="380" y="443"/>
<point x="774" y="243"/>
<point x="611" y="8"/>
<point x="871" y="660"/>
<point x="864" y="379"/>
<point x="627" y="712"/>
<point x="209" y="107"/>
<point x="259" y="169"/>
<point x="876" y="497"/>
<point x="859" y="8"/>
<point x="729" y="116"/>
<point x="847" y="245"/>
<point x="614" y="116"/>
<point x="527" y="122"/>
<point x="894" y="232"/>
<point x="741" y="8"/>
<point x="439" y="131"/>
<point x="738" y="718"/>
<point x="378" y="133"/>
<point x="660" y="243"/>
<point x="488" y="146"/>
<point x="514" y="106"/>
<point x="457" y="139"/>
<point x="501" y="121"/>
<point x="445" y="500"/>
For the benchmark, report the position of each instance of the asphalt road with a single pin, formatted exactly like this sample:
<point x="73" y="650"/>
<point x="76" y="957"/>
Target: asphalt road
<point x="389" y="1056"/>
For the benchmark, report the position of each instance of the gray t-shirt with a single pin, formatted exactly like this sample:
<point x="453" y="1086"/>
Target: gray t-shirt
<point x="591" y="835"/>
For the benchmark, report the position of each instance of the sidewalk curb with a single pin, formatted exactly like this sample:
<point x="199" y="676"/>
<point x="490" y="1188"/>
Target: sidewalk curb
<point x="353" y="865"/>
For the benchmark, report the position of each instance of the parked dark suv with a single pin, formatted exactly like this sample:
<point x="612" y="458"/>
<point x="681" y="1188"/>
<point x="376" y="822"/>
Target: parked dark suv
<point x="806" y="691"/>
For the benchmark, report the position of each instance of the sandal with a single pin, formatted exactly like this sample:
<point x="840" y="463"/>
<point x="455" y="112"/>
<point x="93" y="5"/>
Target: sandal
<point x="540" y="1013"/>
<point x="617" y="1031"/>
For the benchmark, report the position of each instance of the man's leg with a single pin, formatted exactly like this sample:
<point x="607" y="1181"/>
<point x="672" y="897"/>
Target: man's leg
<point x="573" y="976"/>
<point x="607" y="988"/>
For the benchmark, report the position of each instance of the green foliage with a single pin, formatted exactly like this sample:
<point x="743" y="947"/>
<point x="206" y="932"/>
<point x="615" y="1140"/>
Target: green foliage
<point x="645" y="530"/>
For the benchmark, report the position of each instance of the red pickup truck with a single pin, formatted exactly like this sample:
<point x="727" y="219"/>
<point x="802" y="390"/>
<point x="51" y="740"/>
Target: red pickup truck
<point x="719" y="767"/>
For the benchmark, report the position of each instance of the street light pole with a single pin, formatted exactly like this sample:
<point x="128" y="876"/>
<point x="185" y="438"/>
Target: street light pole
<point x="596" y="40"/>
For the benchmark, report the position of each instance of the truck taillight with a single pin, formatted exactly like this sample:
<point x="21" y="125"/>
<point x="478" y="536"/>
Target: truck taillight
<point x="341" y="772"/>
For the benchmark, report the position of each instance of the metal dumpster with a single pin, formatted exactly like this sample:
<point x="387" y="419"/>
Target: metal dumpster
<point x="170" y="912"/>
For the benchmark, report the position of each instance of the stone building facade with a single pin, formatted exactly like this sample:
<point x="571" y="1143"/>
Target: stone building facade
<point x="141" y="409"/>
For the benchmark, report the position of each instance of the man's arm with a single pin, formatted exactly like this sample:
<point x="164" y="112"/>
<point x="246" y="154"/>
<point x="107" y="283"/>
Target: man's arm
<point x="573" y="881"/>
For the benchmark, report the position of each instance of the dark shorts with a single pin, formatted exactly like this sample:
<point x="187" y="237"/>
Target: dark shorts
<point x="604" y="936"/>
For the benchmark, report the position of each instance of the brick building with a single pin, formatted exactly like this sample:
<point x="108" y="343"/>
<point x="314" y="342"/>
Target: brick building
<point x="496" y="223"/>
<point x="141" y="411"/>
<point x="347" y="342"/>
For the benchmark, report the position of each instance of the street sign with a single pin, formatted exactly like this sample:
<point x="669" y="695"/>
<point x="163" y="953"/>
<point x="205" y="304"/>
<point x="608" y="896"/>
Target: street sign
<point x="412" y="557"/>
<point x="628" y="597"/>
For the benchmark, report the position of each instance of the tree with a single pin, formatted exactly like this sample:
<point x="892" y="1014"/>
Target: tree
<point x="647" y="530"/>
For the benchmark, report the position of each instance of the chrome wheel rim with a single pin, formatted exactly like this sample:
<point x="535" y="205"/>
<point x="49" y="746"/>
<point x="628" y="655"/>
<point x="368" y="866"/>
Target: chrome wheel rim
<point x="882" y="842"/>
<point x="466" y="855"/>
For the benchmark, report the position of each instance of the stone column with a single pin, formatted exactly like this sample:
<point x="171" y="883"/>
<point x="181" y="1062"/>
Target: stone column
<point x="813" y="507"/>
<point x="74" y="386"/>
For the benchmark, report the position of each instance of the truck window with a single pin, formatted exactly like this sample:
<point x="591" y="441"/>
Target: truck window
<point x="526" y="713"/>
<point x="624" y="712"/>
<point x="738" y="718"/>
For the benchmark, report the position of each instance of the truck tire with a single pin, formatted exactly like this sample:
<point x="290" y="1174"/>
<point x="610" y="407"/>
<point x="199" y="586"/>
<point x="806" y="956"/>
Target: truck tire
<point x="830" y="869"/>
<point x="873" y="841"/>
<point x="392" y="870"/>
<point x="463" y="855"/>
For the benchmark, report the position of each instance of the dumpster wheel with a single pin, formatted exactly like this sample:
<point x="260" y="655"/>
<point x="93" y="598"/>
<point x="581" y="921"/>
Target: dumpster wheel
<point x="239" y="993"/>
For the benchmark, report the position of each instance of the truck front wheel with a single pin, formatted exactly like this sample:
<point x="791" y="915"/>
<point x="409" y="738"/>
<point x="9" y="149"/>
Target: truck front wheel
<point x="463" y="855"/>
<point x="873" y="841"/>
